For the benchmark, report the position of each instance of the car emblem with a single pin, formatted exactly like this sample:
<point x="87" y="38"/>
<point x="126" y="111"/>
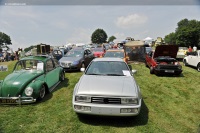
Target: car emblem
<point x="105" y="100"/>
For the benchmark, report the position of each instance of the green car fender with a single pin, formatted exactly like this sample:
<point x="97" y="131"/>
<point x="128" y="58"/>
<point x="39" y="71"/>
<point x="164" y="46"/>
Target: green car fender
<point x="36" y="86"/>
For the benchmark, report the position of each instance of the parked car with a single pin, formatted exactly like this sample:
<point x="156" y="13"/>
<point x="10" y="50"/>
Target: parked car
<point x="58" y="54"/>
<point x="76" y="58"/>
<point x="117" y="53"/>
<point x="193" y="59"/>
<point x="98" y="52"/>
<point x="163" y="60"/>
<point x="107" y="87"/>
<point x="31" y="79"/>
<point x="182" y="52"/>
<point x="148" y="49"/>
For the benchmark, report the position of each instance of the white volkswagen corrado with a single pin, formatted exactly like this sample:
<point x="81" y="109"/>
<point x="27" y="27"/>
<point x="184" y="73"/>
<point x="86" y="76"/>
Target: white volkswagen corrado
<point x="107" y="87"/>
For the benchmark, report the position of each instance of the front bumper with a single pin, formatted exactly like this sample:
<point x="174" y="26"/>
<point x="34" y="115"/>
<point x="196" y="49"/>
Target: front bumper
<point x="17" y="100"/>
<point x="168" y="71"/>
<point x="107" y="109"/>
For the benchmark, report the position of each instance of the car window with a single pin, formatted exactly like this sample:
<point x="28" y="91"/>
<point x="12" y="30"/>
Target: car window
<point x="56" y="63"/>
<point x="29" y="65"/>
<point x="107" y="68"/>
<point x="89" y="52"/>
<point x="118" y="54"/>
<point x="49" y="65"/>
<point x="74" y="53"/>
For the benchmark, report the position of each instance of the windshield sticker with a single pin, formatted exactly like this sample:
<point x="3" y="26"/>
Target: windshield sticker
<point x="126" y="73"/>
<point x="40" y="66"/>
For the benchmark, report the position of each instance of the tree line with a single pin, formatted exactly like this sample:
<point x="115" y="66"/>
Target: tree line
<point x="186" y="34"/>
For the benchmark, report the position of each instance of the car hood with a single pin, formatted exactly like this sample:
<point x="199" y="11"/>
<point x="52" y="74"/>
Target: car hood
<point x="15" y="83"/>
<point x="107" y="86"/>
<point x="98" y="53"/>
<point x="70" y="59"/>
<point x="166" y="50"/>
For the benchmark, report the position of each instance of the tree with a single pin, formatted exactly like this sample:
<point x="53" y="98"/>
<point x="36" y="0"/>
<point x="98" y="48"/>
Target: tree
<point x="4" y="40"/>
<point x="186" y="34"/>
<point x="99" y="36"/>
<point x="170" y="39"/>
<point x="111" y="38"/>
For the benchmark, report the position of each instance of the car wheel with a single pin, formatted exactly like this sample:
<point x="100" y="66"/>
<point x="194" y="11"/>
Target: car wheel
<point x="185" y="63"/>
<point x="146" y="64"/>
<point x="151" y="70"/>
<point x="42" y="92"/>
<point x="62" y="76"/>
<point x="198" y="67"/>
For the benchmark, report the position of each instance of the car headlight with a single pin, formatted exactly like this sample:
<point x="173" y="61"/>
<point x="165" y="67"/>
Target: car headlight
<point x="179" y="67"/>
<point x="29" y="91"/>
<point x="129" y="101"/>
<point x="83" y="99"/>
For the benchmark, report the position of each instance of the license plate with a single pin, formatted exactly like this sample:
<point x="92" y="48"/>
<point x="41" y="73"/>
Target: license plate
<point x="169" y="71"/>
<point x="7" y="100"/>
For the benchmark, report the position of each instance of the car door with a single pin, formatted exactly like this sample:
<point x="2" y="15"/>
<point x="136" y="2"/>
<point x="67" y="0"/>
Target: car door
<point x="52" y="73"/>
<point x="90" y="56"/>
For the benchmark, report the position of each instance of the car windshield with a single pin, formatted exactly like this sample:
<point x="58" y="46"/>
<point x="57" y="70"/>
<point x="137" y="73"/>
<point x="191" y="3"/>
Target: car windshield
<point x="108" y="68"/>
<point x="117" y="54"/>
<point x="29" y="65"/>
<point x="74" y="53"/>
<point x="97" y="50"/>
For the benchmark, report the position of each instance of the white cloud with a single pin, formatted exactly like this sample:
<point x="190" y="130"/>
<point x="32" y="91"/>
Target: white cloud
<point x="80" y="35"/>
<point x="130" y="21"/>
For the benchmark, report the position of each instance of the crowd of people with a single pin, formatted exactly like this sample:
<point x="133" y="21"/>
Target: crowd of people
<point x="6" y="56"/>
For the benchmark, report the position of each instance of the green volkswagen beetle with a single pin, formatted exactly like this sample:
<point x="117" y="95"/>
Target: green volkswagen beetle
<point x="31" y="79"/>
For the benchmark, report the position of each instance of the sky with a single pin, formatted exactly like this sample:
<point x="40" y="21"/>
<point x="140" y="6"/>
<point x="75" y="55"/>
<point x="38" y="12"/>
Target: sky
<point x="58" y="25"/>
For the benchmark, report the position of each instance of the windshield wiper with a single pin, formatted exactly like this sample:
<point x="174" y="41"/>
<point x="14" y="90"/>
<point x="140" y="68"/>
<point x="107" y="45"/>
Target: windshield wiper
<point x="93" y="74"/>
<point x="114" y="74"/>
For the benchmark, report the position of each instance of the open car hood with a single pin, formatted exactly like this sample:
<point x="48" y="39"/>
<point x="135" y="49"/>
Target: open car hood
<point x="166" y="50"/>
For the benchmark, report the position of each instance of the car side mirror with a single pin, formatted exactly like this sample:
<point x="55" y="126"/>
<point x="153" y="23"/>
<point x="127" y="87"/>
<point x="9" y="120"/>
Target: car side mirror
<point x="134" y="71"/>
<point x="82" y="69"/>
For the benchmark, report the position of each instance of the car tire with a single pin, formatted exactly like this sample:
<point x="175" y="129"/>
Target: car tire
<point x="146" y="64"/>
<point x="62" y="76"/>
<point x="198" y="67"/>
<point x="42" y="92"/>
<point x="185" y="63"/>
<point x="151" y="70"/>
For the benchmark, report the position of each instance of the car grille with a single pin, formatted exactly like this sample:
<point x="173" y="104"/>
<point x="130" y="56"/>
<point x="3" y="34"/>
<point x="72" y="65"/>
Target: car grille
<point x="105" y="100"/>
<point x="65" y="64"/>
<point x="170" y="67"/>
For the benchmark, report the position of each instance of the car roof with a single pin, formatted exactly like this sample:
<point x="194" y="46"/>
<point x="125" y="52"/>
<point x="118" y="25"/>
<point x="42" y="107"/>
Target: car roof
<point x="115" y="50"/>
<point x="41" y="58"/>
<point x="108" y="59"/>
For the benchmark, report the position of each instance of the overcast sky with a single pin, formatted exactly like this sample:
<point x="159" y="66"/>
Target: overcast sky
<point x="58" y="25"/>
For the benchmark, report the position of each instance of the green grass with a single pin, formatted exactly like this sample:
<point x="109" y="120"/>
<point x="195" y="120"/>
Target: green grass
<point x="170" y="104"/>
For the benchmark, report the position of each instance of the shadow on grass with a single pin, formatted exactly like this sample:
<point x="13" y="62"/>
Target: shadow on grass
<point x="49" y="95"/>
<point x="141" y="119"/>
<point x="170" y="75"/>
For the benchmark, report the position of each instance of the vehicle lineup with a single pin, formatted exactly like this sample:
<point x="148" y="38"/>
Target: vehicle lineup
<point x="107" y="87"/>
<point x="193" y="59"/>
<point x="31" y="79"/>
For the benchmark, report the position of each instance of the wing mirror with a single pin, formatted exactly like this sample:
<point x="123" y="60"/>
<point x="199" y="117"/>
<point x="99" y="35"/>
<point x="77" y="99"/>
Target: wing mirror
<point x="82" y="69"/>
<point x="134" y="71"/>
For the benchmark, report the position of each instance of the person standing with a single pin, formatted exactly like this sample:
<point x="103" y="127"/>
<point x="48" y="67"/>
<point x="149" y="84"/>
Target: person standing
<point x="190" y="49"/>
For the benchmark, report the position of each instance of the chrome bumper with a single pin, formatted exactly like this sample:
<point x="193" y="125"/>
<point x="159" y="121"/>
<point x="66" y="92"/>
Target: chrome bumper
<point x="17" y="100"/>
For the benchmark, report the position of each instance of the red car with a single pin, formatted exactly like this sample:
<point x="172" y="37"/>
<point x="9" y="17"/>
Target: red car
<point x="163" y="60"/>
<point x="98" y="52"/>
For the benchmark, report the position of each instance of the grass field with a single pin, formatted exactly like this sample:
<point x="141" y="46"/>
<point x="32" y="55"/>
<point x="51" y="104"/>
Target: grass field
<point x="170" y="104"/>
